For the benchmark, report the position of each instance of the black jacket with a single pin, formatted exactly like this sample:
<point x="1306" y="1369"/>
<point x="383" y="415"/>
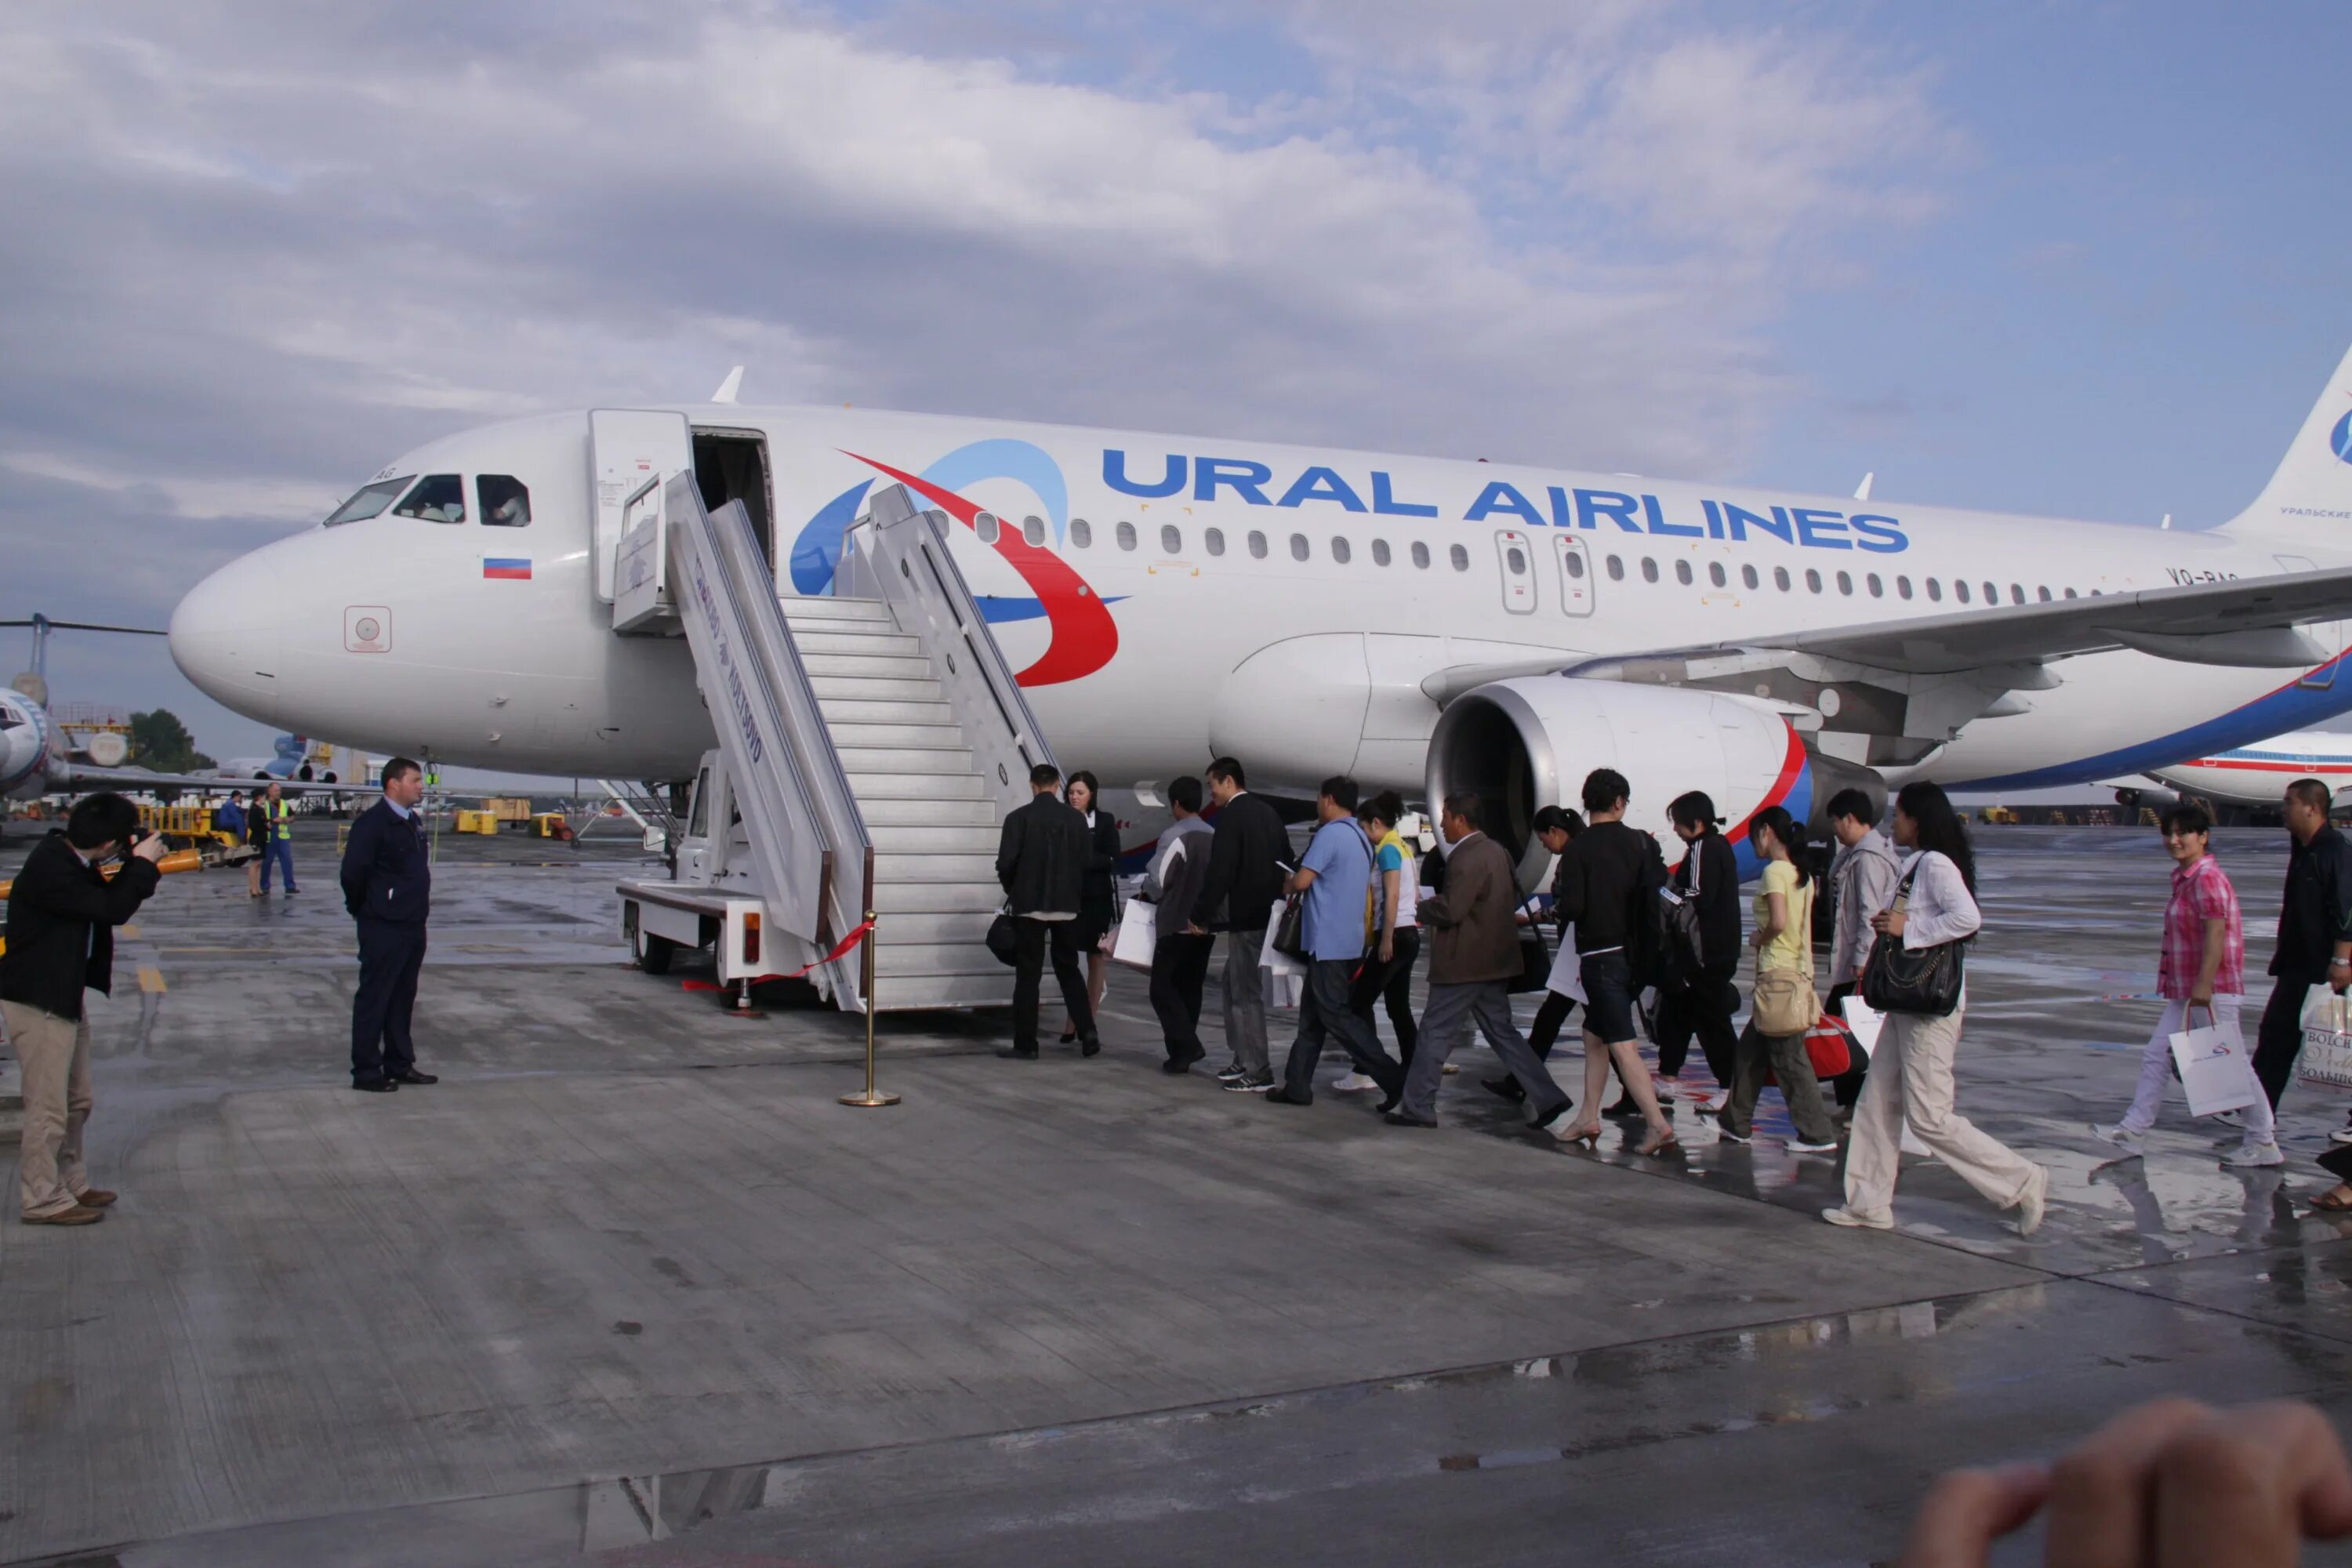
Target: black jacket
<point x="387" y="872"/>
<point x="1041" y="857"/>
<point x="2316" y="913"/>
<point x="1245" y="874"/>
<point x="61" y="918"/>
<point x="1098" y="891"/>
<point x="1718" y="866"/>
<point x="1601" y="878"/>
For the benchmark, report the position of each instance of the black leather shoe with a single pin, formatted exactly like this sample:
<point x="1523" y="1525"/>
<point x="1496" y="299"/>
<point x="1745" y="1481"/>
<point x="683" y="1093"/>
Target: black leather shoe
<point x="373" y="1085"/>
<point x="1280" y="1096"/>
<point x="1405" y="1119"/>
<point x="413" y="1076"/>
<point x="1504" y="1087"/>
<point x="1016" y="1054"/>
<point x="1091" y="1045"/>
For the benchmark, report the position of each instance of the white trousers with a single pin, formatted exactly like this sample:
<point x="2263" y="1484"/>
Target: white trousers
<point x="1910" y="1082"/>
<point x="2156" y="1070"/>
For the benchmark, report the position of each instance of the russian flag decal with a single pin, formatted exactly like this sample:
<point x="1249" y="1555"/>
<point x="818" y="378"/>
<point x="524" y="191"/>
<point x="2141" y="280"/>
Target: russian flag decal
<point x="513" y="567"/>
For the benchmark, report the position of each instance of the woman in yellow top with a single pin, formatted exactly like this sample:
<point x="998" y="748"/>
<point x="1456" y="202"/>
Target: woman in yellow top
<point x="1784" y="952"/>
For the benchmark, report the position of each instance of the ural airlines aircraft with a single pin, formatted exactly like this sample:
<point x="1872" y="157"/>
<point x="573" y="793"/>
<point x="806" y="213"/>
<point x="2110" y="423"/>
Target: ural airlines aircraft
<point x="2252" y="776"/>
<point x="1418" y="623"/>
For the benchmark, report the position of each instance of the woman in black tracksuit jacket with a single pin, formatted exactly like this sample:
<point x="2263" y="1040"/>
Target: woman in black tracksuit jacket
<point x="1702" y="1004"/>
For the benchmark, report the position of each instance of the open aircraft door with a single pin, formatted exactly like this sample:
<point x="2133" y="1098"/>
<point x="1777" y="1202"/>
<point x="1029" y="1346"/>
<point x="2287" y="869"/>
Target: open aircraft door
<point x="632" y="453"/>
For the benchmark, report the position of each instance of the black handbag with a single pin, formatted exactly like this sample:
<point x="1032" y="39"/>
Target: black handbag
<point x="1291" y="928"/>
<point x="1535" y="957"/>
<point x="1002" y="941"/>
<point x="1921" y="980"/>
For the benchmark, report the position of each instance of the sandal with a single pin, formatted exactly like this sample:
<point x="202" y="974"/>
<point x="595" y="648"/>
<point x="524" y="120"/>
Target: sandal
<point x="1659" y="1143"/>
<point x="2336" y="1200"/>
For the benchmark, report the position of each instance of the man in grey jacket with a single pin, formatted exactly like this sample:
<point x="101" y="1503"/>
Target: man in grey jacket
<point x="1179" y="958"/>
<point x="1861" y="882"/>
<point x="1474" y="958"/>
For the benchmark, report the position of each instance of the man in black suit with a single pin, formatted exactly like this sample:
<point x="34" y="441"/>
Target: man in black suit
<point x="1248" y="863"/>
<point x="1041" y="858"/>
<point x="388" y="887"/>
<point x="62" y="917"/>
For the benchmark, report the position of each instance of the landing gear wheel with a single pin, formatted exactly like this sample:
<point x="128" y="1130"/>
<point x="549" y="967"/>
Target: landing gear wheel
<point x="653" y="952"/>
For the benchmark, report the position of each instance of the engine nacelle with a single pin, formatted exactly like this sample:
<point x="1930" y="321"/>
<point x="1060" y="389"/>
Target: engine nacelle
<point x="1527" y="742"/>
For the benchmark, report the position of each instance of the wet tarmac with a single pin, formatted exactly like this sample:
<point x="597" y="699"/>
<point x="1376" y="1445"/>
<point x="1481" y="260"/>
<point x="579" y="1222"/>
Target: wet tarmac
<point x="629" y="1287"/>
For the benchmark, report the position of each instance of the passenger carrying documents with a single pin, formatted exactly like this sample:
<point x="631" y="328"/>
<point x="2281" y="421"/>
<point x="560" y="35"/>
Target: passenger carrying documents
<point x="2214" y="1071"/>
<point x="2326" y="1059"/>
<point x="1567" y="975"/>
<point x="1137" y="933"/>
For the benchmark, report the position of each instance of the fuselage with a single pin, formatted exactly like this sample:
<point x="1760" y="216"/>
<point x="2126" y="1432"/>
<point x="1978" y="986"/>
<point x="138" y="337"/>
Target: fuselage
<point x="2258" y="774"/>
<point x="1167" y="599"/>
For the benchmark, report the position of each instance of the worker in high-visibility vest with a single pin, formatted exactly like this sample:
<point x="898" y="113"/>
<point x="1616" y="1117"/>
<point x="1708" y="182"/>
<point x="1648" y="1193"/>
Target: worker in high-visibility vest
<point x="277" y="814"/>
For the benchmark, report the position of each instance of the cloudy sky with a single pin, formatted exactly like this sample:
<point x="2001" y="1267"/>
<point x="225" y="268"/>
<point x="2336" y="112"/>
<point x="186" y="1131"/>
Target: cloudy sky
<point x="2085" y="260"/>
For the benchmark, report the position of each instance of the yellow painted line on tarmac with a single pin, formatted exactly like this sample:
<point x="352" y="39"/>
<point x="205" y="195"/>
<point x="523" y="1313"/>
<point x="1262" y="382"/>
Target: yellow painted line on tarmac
<point x="128" y="932"/>
<point x="150" y="980"/>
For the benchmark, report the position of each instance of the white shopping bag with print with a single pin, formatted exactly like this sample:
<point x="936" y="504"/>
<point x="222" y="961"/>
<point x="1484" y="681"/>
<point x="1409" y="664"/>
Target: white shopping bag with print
<point x="2326" y="1058"/>
<point x="1866" y="1022"/>
<point x="2214" y="1070"/>
<point x="1137" y="933"/>
<point x="1285" y="977"/>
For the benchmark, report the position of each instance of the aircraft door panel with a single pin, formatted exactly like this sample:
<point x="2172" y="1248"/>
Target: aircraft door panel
<point x="1514" y="552"/>
<point x="632" y="452"/>
<point x="1575" y="574"/>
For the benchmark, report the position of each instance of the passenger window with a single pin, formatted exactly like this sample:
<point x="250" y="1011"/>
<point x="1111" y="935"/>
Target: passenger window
<point x="1649" y="570"/>
<point x="1960" y="590"/>
<point x="1616" y="570"/>
<point x="506" y="503"/>
<point x="1877" y="589"/>
<point x="1460" y="557"/>
<point x="1257" y="545"/>
<point x="1813" y="581"/>
<point x="1033" y="530"/>
<point x="1715" y="574"/>
<point x="1215" y="540"/>
<point x="1126" y="535"/>
<point x="2016" y="593"/>
<point x="1171" y="540"/>
<point x="2043" y="593"/>
<point x="1420" y="554"/>
<point x="1901" y="587"/>
<point x="1298" y="550"/>
<point x="1379" y="552"/>
<point x="2069" y="592"/>
<point x="437" y="498"/>
<point x="984" y="525"/>
<point x="1342" y="555"/>
<point x="1780" y="578"/>
<point x="1992" y="592"/>
<point x="1574" y="561"/>
<point x="1682" y="573"/>
<point x="1936" y="590"/>
<point x="1747" y="575"/>
<point x="367" y="501"/>
<point x="1082" y="534"/>
<point x="1845" y="584"/>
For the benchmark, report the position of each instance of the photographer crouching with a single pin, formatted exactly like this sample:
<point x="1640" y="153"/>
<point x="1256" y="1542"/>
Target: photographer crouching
<point x="60" y="938"/>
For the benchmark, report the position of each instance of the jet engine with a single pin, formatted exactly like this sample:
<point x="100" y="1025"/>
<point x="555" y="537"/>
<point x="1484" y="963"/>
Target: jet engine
<point x="1527" y="742"/>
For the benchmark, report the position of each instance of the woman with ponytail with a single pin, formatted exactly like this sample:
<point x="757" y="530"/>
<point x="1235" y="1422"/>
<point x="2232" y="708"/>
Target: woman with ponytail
<point x="1785" y="1004"/>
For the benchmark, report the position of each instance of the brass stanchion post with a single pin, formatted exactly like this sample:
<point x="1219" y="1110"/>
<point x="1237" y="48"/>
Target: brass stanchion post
<point x="872" y="1095"/>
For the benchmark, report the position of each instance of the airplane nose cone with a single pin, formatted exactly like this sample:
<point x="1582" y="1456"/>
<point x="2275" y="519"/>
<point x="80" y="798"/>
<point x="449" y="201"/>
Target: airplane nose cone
<point x="225" y="636"/>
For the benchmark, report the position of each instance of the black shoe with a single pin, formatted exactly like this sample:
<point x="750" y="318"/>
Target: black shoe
<point x="413" y="1076"/>
<point x="1623" y="1110"/>
<point x="1016" y="1054"/>
<point x="373" y="1085"/>
<point x="1280" y="1096"/>
<point x="1505" y="1088"/>
<point x="1091" y="1045"/>
<point x="1391" y="1104"/>
<point x="1405" y="1119"/>
<point x="1183" y="1064"/>
<point x="1554" y="1114"/>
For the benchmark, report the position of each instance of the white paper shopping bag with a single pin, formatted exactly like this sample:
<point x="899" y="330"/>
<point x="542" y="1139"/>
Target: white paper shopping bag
<point x="1866" y="1022"/>
<point x="2326" y="1058"/>
<point x="2214" y="1070"/>
<point x="1137" y="933"/>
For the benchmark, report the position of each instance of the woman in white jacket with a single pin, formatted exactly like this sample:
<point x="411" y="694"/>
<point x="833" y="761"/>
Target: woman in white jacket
<point x="1911" y="1072"/>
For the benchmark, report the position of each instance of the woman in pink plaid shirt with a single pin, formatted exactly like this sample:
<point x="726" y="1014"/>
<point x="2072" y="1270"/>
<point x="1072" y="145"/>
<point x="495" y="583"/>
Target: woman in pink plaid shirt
<point x="2202" y="970"/>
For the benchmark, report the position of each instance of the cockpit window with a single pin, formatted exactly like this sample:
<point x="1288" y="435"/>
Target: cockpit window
<point x="370" y="500"/>
<point x="8" y="719"/>
<point x="437" y="498"/>
<point x="506" y="500"/>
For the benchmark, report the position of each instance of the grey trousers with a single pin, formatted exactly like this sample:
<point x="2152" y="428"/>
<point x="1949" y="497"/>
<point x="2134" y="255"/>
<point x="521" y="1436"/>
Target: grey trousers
<point x="1785" y="1054"/>
<point x="1324" y="1010"/>
<point x="1245" y="1001"/>
<point x="1445" y="1022"/>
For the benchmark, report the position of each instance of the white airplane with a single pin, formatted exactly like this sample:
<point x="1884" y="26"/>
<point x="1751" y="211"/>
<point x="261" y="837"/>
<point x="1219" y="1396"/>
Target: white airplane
<point x="2251" y="777"/>
<point x="1421" y="624"/>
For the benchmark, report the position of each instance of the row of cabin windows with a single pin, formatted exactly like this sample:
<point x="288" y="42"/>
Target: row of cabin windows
<point x="505" y="501"/>
<point x="1213" y="540"/>
<point x="1871" y="583"/>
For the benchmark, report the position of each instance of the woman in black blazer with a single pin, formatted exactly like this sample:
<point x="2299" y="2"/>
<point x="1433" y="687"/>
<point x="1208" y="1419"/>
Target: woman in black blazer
<point x="1098" y="893"/>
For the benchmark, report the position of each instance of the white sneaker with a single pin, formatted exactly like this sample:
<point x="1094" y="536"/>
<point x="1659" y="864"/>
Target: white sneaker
<point x="2252" y="1154"/>
<point x="1857" y="1220"/>
<point x="2037" y="1197"/>
<point x="1800" y="1145"/>
<point x="1353" y="1081"/>
<point x="2121" y="1136"/>
<point x="2342" y="1135"/>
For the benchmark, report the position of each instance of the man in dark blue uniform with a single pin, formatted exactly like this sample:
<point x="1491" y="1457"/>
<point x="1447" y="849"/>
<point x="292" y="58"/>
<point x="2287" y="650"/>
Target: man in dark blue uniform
<point x="388" y="887"/>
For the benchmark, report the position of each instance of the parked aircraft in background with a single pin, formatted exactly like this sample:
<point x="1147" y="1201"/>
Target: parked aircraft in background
<point x="2251" y="777"/>
<point x="1424" y="624"/>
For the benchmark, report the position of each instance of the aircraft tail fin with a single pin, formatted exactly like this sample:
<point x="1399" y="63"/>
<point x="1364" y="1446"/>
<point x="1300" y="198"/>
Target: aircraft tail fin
<point x="2309" y="499"/>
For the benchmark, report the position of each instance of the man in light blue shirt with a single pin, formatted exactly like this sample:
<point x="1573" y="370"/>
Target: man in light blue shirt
<point x="1336" y="880"/>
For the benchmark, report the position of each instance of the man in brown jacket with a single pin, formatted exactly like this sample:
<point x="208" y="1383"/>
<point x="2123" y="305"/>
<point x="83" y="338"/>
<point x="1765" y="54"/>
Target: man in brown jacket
<point x="1474" y="958"/>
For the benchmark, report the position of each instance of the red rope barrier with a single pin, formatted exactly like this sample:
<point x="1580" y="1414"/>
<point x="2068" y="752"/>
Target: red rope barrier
<point x="842" y="950"/>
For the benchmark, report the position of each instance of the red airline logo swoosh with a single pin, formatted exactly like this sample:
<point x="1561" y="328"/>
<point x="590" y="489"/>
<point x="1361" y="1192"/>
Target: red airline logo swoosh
<point x="1084" y="636"/>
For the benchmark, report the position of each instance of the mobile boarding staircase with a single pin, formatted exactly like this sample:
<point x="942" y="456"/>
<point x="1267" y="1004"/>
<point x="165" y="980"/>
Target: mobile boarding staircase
<point x="874" y="739"/>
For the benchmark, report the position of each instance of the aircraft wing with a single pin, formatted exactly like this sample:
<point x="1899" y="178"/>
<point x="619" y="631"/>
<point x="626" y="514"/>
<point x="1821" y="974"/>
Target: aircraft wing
<point x="2248" y="622"/>
<point x="78" y="779"/>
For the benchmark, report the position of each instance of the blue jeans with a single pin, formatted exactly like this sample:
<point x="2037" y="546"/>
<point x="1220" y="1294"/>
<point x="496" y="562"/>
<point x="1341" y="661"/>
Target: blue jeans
<point x="279" y="852"/>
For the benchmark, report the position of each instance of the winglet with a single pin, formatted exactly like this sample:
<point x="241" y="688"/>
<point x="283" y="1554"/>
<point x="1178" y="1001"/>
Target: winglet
<point x="1861" y="490"/>
<point x="728" y="388"/>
